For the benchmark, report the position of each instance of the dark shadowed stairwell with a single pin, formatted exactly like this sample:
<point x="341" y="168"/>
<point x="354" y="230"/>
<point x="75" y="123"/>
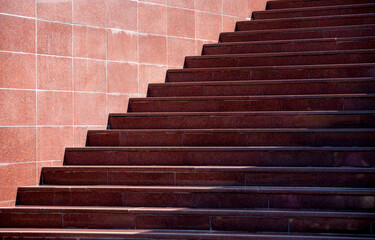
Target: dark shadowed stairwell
<point x="269" y="134"/>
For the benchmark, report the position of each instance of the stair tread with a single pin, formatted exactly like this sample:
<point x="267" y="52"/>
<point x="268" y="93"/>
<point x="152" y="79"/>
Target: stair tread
<point x="368" y="26"/>
<point x="253" y="113"/>
<point x="222" y="148"/>
<point x="319" y="8"/>
<point x="205" y="189"/>
<point x="220" y="69"/>
<point x="315" y="18"/>
<point x="359" y="95"/>
<point x="288" y="41"/>
<point x="232" y="130"/>
<point x="186" y="211"/>
<point x="153" y="168"/>
<point x="265" y="82"/>
<point x="171" y="234"/>
<point x="282" y="54"/>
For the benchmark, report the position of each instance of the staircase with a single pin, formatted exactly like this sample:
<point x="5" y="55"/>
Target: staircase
<point x="270" y="134"/>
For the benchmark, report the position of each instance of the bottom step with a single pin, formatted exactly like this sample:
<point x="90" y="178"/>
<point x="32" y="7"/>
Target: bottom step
<point x="77" y="234"/>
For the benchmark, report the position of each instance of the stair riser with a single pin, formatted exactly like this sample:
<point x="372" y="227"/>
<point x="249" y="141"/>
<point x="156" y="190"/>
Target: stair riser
<point x="289" y="104"/>
<point x="251" y="121"/>
<point x="262" y="89"/>
<point x="271" y="5"/>
<point x="222" y="158"/>
<point x="293" y="23"/>
<point x="201" y="178"/>
<point x="186" y="222"/>
<point x="289" y="47"/>
<point x="268" y="73"/>
<point x="149" y="198"/>
<point x="312" y="13"/>
<point x="344" y="139"/>
<point x="288" y="35"/>
<point x="197" y="62"/>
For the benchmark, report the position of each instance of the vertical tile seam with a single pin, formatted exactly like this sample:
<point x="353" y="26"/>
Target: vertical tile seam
<point x="36" y="92"/>
<point x="106" y="58"/>
<point x="138" y="62"/>
<point x="73" y="87"/>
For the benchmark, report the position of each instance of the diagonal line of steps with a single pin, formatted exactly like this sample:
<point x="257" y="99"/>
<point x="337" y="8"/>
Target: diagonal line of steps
<point x="268" y="135"/>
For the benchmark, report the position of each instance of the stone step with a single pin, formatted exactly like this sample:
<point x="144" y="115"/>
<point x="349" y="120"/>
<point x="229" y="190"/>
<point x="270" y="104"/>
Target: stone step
<point x="303" y="45"/>
<point x="271" y="72"/>
<point x="100" y="234"/>
<point x="308" y="22"/>
<point x="210" y="176"/>
<point x="259" y="87"/>
<point x="277" y="119"/>
<point x="223" y="156"/>
<point x="314" y="102"/>
<point x="299" y="33"/>
<point x="281" y="59"/>
<point x="312" y="3"/>
<point x="282" y="221"/>
<point x="251" y="197"/>
<point x="347" y="137"/>
<point x="315" y="11"/>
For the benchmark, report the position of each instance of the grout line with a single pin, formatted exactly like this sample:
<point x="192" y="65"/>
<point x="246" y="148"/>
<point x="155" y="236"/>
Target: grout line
<point x="106" y="59"/>
<point x="138" y="80"/>
<point x="36" y="93"/>
<point x="73" y="78"/>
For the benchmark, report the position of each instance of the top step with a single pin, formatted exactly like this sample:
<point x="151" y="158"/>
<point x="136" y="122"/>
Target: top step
<point x="280" y="4"/>
<point x="314" y="11"/>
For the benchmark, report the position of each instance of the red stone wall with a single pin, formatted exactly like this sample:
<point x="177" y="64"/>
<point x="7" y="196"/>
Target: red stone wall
<point x="66" y="64"/>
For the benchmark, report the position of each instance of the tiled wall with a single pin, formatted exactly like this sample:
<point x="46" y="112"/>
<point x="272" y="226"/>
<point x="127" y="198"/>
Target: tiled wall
<point x="66" y="64"/>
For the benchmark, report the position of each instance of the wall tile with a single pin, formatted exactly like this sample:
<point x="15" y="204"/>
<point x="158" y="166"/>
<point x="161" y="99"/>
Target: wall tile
<point x="122" y="46"/>
<point x="55" y="10"/>
<point x="181" y="3"/>
<point x="54" y="38"/>
<point x="17" y="70"/>
<point x="238" y="8"/>
<point x="54" y="73"/>
<point x="178" y="16"/>
<point x="55" y="108"/>
<point x="150" y="74"/>
<point x="215" y="6"/>
<point x="117" y="103"/>
<point x="89" y="75"/>
<point x="18" y="7"/>
<point x="122" y="14"/>
<point x="17" y="34"/>
<point x="152" y="18"/>
<point x="21" y="111"/>
<point x="9" y="174"/>
<point x="89" y="42"/>
<point x="178" y="49"/>
<point x="90" y="109"/>
<point x="18" y="144"/>
<point x="208" y="26"/>
<point x="89" y="12"/>
<point x="52" y="142"/>
<point x="152" y="49"/>
<point x="122" y="78"/>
